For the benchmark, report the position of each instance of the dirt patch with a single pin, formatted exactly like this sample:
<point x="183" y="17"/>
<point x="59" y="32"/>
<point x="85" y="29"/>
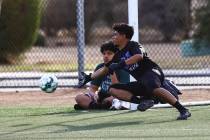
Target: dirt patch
<point x="65" y="97"/>
<point x="61" y="97"/>
<point x="195" y="95"/>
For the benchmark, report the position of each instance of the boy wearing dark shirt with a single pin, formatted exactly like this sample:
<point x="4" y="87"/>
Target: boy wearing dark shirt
<point x="102" y="99"/>
<point x="149" y="76"/>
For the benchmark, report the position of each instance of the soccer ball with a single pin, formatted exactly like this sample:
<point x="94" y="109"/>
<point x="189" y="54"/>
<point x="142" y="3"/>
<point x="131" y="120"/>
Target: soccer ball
<point x="48" y="83"/>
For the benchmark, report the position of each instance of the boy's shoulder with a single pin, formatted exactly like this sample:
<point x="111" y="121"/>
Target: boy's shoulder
<point x="99" y="66"/>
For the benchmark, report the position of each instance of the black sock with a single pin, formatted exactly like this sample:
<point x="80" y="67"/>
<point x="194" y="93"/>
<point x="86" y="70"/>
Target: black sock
<point x="135" y="100"/>
<point x="180" y="107"/>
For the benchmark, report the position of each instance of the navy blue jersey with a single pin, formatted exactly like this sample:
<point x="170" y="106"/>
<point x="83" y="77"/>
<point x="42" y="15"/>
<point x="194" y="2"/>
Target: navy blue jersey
<point x="105" y="82"/>
<point x="139" y="68"/>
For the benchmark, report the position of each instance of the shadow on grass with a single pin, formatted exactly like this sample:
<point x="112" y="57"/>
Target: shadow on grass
<point x="21" y="125"/>
<point x="78" y="112"/>
<point x="69" y="121"/>
<point x="112" y="124"/>
<point x="72" y="128"/>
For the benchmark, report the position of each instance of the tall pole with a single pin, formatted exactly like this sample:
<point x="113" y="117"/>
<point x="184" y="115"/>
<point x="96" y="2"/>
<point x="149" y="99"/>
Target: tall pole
<point x="133" y="18"/>
<point x="80" y="36"/>
<point x="133" y="21"/>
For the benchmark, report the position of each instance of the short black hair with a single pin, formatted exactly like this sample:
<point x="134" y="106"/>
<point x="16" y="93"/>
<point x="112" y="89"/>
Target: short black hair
<point x="124" y="28"/>
<point x="108" y="46"/>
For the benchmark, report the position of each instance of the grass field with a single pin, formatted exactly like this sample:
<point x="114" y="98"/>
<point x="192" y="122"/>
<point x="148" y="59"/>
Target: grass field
<point x="64" y="123"/>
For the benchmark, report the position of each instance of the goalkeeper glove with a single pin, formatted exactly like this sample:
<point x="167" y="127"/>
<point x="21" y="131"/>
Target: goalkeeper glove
<point x="84" y="79"/>
<point x="116" y="66"/>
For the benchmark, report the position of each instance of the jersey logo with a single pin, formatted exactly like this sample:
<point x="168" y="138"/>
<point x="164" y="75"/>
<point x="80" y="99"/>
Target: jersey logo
<point x="133" y="67"/>
<point x="129" y="67"/>
<point x="106" y="83"/>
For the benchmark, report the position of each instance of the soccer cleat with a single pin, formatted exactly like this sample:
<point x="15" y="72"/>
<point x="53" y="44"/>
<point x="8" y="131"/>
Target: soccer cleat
<point x="116" y="105"/>
<point x="145" y="104"/>
<point x="184" y="115"/>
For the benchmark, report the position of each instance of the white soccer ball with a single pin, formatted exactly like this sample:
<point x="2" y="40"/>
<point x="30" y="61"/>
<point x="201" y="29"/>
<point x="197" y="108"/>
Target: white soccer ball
<point x="48" y="83"/>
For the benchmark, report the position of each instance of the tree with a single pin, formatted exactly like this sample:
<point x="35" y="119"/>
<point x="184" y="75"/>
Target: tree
<point x="167" y="16"/>
<point x="202" y="34"/>
<point x="58" y="14"/>
<point x="19" y="22"/>
<point x="61" y="14"/>
<point x="103" y="13"/>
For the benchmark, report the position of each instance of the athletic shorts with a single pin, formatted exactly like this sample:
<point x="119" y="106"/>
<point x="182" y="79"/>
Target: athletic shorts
<point x="102" y="96"/>
<point x="145" y="85"/>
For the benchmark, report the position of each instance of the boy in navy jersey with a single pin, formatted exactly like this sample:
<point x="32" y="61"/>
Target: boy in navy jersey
<point x="149" y="76"/>
<point x="102" y="99"/>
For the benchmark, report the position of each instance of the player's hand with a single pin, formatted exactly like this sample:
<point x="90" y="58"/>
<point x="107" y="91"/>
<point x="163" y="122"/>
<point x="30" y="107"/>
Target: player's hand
<point x="116" y="66"/>
<point x="84" y="79"/>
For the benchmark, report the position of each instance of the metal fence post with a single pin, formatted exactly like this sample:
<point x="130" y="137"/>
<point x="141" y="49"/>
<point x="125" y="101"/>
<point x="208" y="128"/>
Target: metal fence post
<point x="80" y="36"/>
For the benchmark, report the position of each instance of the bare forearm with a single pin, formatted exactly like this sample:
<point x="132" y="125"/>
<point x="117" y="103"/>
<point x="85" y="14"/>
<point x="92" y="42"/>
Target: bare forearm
<point x="99" y="73"/>
<point x="134" y="59"/>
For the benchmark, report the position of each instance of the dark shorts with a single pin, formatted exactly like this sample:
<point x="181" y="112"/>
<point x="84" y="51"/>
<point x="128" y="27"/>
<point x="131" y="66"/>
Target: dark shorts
<point x="102" y="96"/>
<point x="144" y="86"/>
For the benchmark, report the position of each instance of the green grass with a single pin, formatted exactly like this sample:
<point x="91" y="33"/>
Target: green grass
<point x="64" y="123"/>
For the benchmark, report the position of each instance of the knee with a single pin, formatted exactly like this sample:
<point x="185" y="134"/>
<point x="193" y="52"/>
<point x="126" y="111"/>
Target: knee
<point x="78" y="99"/>
<point x="81" y="99"/>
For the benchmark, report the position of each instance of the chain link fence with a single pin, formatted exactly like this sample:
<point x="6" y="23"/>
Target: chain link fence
<point x="163" y="28"/>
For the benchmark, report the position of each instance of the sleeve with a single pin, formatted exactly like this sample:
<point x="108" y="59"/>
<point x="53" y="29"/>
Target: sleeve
<point x="136" y="48"/>
<point x="98" y="81"/>
<point x="123" y="76"/>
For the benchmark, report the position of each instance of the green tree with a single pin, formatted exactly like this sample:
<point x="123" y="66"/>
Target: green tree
<point x="58" y="14"/>
<point x="202" y="34"/>
<point x="19" y="22"/>
<point x="168" y="16"/>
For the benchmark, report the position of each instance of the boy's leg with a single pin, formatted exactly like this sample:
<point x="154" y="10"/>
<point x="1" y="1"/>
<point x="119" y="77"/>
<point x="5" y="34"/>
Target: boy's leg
<point x="129" y="92"/>
<point x="103" y="101"/>
<point x="152" y="83"/>
<point x="121" y="94"/>
<point x="107" y="102"/>
<point x="169" y="98"/>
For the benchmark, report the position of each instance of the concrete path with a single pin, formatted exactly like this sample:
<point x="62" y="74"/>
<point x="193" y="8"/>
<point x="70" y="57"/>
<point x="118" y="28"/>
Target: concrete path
<point x="30" y="80"/>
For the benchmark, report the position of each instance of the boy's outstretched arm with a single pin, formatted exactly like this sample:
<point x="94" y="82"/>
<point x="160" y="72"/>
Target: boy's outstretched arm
<point x="97" y="74"/>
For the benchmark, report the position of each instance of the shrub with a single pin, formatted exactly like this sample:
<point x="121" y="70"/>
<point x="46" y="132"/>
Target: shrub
<point x="202" y="34"/>
<point x="41" y="39"/>
<point x="19" y="22"/>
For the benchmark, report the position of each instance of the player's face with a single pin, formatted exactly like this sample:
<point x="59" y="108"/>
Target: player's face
<point x="118" y="38"/>
<point x="107" y="56"/>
